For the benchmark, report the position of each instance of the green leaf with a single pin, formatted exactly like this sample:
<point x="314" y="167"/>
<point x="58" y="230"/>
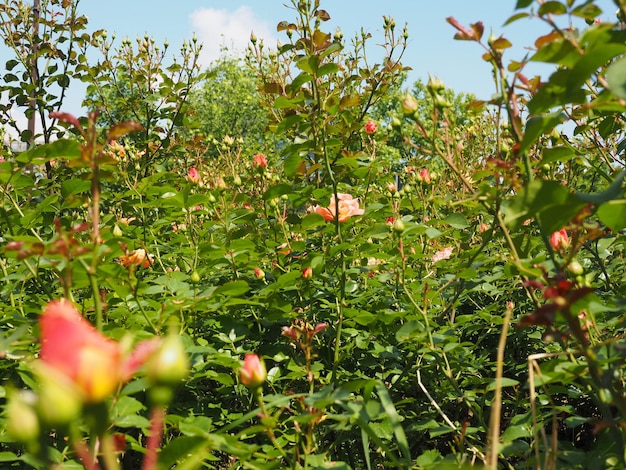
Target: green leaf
<point x="612" y="192"/>
<point x="505" y="382"/>
<point x="6" y="456"/>
<point x="74" y="186"/>
<point x="536" y="126"/>
<point x="59" y="149"/>
<point x="523" y="4"/>
<point x="456" y="221"/>
<point x="613" y="214"/>
<point x="277" y="191"/>
<point x="181" y="448"/>
<point x="616" y="78"/>
<point x="299" y="81"/>
<point x="588" y="11"/>
<point x="556" y="154"/>
<point x="327" y="69"/>
<point x="292" y="165"/>
<point x="552" y="8"/>
<point x="549" y="201"/>
<point x="233" y="288"/>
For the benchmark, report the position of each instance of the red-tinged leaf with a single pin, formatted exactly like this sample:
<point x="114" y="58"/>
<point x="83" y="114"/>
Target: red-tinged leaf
<point x="286" y="26"/>
<point x="67" y="118"/>
<point x="322" y="15"/>
<point x="120" y="130"/>
<point x="476" y="105"/>
<point x="272" y="88"/>
<point x="579" y="294"/>
<point x="321" y="40"/>
<point x="548" y="38"/>
<point x="464" y="34"/>
<point x="478" y="29"/>
<point x="349" y="101"/>
<point x="501" y="44"/>
<point x="544" y="315"/>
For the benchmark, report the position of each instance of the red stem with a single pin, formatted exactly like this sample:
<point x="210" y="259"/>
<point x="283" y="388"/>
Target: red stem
<point x="84" y="454"/>
<point x="154" y="439"/>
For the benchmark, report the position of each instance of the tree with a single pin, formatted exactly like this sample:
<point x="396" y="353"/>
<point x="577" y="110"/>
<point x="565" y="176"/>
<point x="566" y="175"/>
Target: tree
<point x="228" y="104"/>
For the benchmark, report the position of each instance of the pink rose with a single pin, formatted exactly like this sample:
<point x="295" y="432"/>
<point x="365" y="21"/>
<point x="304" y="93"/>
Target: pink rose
<point x="259" y="161"/>
<point x="193" y="176"/>
<point x="371" y="127"/>
<point x="559" y="241"/>
<point x="253" y="372"/>
<point x="442" y="254"/>
<point x="95" y="364"/>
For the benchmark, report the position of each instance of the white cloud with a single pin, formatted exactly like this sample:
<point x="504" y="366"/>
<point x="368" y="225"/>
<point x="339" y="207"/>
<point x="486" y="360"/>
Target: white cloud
<point x="218" y="28"/>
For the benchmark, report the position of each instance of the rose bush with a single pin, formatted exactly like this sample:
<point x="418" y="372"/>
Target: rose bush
<point x="458" y="302"/>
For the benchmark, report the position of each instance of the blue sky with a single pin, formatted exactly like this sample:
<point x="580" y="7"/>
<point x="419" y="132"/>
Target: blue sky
<point x="431" y="50"/>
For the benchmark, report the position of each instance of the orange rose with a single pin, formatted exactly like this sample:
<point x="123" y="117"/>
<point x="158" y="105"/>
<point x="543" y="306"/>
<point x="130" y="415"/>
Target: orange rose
<point x="348" y="207"/>
<point x="137" y="257"/>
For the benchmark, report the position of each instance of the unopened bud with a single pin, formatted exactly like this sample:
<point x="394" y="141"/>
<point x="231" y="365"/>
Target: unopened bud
<point x="409" y="104"/>
<point x="22" y="419"/>
<point x="253" y="372"/>
<point x="307" y="273"/>
<point x="169" y="364"/>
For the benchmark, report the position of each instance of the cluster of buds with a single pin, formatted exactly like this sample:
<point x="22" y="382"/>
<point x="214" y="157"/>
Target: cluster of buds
<point x="302" y="332"/>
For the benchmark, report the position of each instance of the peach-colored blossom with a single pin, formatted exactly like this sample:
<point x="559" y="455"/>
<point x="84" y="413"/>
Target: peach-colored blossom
<point x="95" y="364"/>
<point x="424" y="175"/>
<point x="259" y="160"/>
<point x="307" y="273"/>
<point x="348" y="207"/>
<point x="137" y="257"/>
<point x="445" y="253"/>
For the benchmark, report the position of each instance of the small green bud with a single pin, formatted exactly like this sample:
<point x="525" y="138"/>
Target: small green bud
<point x="22" y="420"/>
<point x="117" y="231"/>
<point x="575" y="268"/>
<point x="59" y="401"/>
<point x="398" y="226"/>
<point x="409" y="104"/>
<point x="169" y="364"/>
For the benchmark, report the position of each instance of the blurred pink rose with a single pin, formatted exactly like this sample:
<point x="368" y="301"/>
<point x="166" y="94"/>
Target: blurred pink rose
<point x="442" y="254"/>
<point x="559" y="240"/>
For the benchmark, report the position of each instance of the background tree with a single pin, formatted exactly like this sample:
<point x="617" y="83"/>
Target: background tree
<point x="227" y="103"/>
<point x="48" y="50"/>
